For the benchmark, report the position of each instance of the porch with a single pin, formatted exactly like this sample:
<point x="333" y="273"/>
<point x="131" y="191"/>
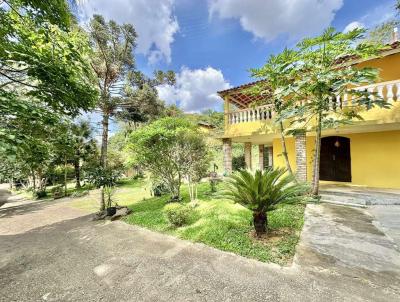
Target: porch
<point x="358" y="195"/>
<point x="366" y="159"/>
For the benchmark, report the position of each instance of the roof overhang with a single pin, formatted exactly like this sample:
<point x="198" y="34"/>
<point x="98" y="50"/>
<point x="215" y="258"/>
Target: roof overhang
<point x="242" y="96"/>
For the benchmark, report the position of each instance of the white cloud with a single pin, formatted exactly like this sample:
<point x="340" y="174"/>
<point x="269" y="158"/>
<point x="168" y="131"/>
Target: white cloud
<point x="376" y="16"/>
<point x="195" y="90"/>
<point x="153" y="20"/>
<point x="268" y="19"/>
<point x="353" y="25"/>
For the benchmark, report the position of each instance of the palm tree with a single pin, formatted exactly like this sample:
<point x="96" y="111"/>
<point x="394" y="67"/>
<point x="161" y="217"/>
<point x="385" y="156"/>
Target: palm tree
<point x="261" y="191"/>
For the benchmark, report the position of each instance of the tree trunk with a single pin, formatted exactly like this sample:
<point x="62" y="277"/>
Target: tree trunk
<point x="103" y="155"/>
<point x="104" y="140"/>
<point x="260" y="222"/>
<point x="34" y="181"/>
<point x="284" y="149"/>
<point x="77" y="169"/>
<point x="65" y="175"/>
<point x="317" y="155"/>
<point x="102" y="199"/>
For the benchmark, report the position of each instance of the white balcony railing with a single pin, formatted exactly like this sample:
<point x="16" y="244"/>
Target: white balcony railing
<point x="261" y="113"/>
<point x="390" y="91"/>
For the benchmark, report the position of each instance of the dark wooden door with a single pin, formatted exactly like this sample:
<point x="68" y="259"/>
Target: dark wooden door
<point x="335" y="159"/>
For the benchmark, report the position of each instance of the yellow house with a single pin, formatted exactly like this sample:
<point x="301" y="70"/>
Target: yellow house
<point x="365" y="153"/>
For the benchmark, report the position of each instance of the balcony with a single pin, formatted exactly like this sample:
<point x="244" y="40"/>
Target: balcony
<point x="390" y="91"/>
<point x="259" y="119"/>
<point x="260" y="113"/>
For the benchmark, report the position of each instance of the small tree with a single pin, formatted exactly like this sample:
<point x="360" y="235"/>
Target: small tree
<point x="262" y="191"/>
<point x="170" y="149"/>
<point x="322" y="76"/>
<point x="278" y="74"/>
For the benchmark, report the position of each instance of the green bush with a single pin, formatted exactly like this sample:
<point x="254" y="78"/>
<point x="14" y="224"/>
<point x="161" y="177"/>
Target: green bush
<point x="57" y="191"/>
<point x="39" y="194"/>
<point x="238" y="163"/>
<point x="178" y="214"/>
<point x="159" y="189"/>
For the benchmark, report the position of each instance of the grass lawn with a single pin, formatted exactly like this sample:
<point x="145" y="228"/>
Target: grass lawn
<point x="222" y="224"/>
<point x="128" y="192"/>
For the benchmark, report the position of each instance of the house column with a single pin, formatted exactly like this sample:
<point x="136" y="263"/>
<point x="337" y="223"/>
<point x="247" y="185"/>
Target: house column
<point x="261" y="157"/>
<point x="247" y="155"/>
<point x="301" y="157"/>
<point x="227" y="149"/>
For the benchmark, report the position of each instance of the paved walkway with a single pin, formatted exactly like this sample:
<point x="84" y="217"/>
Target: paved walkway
<point x="79" y="260"/>
<point x="388" y="220"/>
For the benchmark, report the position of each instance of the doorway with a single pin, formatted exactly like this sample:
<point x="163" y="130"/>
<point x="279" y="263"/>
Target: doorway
<point x="335" y="159"/>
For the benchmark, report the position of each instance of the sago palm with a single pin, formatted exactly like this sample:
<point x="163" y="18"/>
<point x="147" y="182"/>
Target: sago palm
<point x="261" y="191"/>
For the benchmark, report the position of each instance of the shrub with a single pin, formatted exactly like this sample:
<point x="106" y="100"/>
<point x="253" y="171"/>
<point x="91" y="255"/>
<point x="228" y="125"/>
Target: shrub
<point x="262" y="191"/>
<point x="238" y="163"/>
<point x="159" y="189"/>
<point x="109" y="192"/>
<point x="39" y="194"/>
<point x="57" y="191"/>
<point x="178" y="214"/>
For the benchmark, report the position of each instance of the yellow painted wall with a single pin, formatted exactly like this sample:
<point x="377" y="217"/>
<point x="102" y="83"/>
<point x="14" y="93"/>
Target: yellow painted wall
<point x="388" y="66"/>
<point x="278" y="159"/>
<point x="375" y="158"/>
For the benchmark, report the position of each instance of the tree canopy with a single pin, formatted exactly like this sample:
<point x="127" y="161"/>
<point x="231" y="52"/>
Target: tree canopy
<point x="44" y="72"/>
<point x="171" y="149"/>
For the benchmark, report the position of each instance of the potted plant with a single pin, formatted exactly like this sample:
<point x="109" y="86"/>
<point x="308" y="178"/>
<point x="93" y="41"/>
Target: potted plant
<point x="108" y="195"/>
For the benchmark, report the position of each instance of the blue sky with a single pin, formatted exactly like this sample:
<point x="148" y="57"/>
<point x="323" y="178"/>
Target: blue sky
<point x="211" y="44"/>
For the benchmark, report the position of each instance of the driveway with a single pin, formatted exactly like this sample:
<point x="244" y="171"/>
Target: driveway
<point x="69" y="258"/>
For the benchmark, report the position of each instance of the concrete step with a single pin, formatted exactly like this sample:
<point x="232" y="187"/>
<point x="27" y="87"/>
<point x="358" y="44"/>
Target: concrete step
<point x="356" y="205"/>
<point x="361" y="198"/>
<point x="343" y="199"/>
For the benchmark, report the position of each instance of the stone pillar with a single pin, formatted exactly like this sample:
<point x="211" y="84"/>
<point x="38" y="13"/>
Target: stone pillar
<point x="227" y="149"/>
<point x="270" y="151"/>
<point x="301" y="157"/>
<point x="261" y="157"/>
<point x="247" y="155"/>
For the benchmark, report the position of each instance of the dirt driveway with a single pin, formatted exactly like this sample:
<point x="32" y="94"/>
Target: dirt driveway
<point x="51" y="252"/>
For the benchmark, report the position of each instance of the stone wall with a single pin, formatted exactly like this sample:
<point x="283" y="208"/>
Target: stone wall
<point x="301" y="157"/>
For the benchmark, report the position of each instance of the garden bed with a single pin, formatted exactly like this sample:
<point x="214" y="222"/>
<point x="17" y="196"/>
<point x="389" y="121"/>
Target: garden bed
<point x="220" y="223"/>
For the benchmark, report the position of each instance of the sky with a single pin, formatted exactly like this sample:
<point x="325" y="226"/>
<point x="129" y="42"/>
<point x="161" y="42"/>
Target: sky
<point x="212" y="44"/>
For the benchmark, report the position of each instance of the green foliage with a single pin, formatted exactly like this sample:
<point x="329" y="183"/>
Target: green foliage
<point x="109" y="192"/>
<point x="159" y="189"/>
<point x="39" y="194"/>
<point x="170" y="149"/>
<point x="224" y="225"/>
<point x="57" y="191"/>
<point x="263" y="190"/>
<point x="382" y="33"/>
<point x="103" y="177"/>
<point x="44" y="77"/>
<point x="238" y="162"/>
<point x="178" y="214"/>
<point x="305" y="82"/>
<point x="43" y="57"/>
